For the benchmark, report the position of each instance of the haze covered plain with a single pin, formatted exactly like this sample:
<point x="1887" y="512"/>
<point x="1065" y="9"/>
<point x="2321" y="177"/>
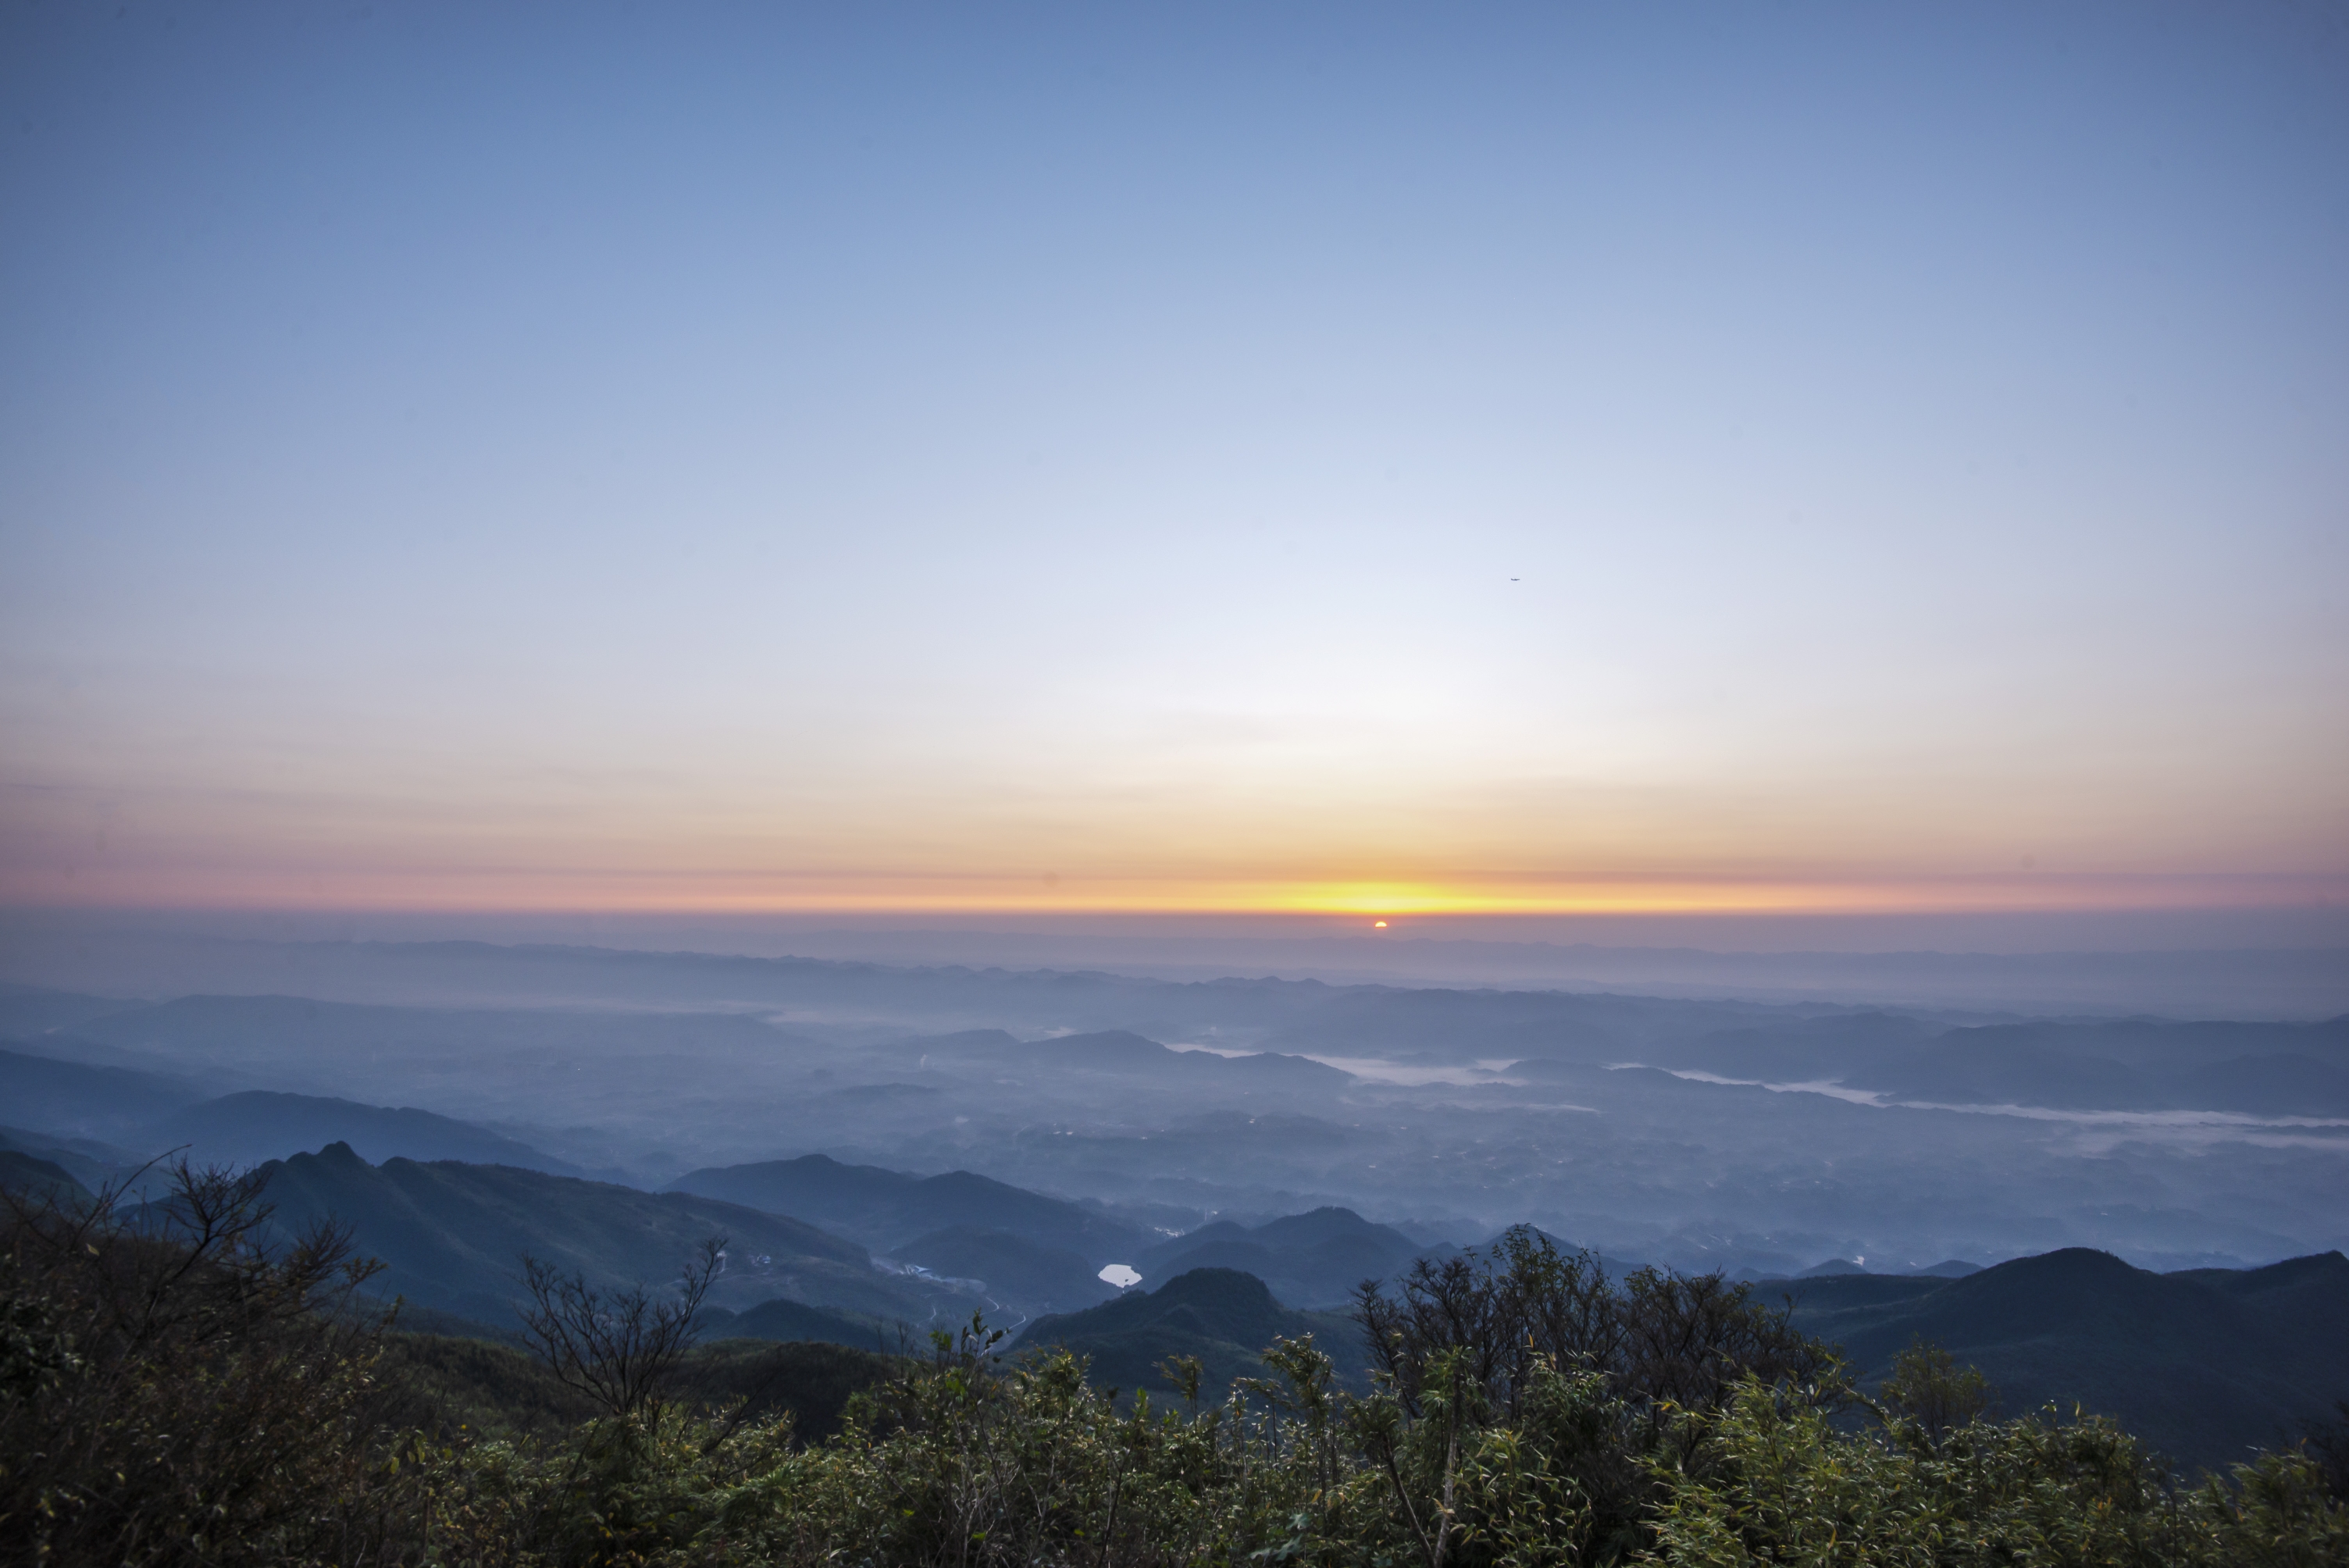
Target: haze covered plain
<point x="1756" y="1137"/>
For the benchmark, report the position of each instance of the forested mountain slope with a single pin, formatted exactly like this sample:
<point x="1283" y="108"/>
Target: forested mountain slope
<point x="2204" y="1364"/>
<point x="1311" y="1260"/>
<point x="1222" y="1316"/>
<point x="453" y="1236"/>
<point x="886" y="1208"/>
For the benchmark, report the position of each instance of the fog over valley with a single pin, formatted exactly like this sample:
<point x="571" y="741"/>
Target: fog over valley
<point x="1757" y="1138"/>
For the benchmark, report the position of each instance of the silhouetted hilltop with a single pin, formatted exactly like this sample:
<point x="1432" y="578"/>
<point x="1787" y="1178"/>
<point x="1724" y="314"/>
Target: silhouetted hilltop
<point x="39" y="1179"/>
<point x="94" y="1164"/>
<point x="258" y="1125"/>
<point x="2204" y="1364"/>
<point x="1314" y="1259"/>
<point x="1223" y="1316"/>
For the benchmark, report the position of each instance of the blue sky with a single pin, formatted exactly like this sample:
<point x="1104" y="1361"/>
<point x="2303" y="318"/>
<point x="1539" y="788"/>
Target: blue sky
<point x="1538" y="457"/>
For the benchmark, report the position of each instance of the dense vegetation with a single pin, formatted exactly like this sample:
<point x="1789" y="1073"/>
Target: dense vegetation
<point x="176" y="1392"/>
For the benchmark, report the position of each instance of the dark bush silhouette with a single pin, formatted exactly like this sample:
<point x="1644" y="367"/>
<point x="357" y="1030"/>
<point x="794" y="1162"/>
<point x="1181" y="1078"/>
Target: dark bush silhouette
<point x="1662" y="1339"/>
<point x="1928" y="1387"/>
<point x="177" y="1386"/>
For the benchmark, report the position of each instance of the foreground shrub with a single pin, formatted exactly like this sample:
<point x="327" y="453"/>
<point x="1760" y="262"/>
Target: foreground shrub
<point x="1771" y="1481"/>
<point x="964" y="1460"/>
<point x="174" y="1390"/>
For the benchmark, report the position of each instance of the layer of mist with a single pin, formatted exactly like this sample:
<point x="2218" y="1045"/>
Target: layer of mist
<point x="1759" y="1136"/>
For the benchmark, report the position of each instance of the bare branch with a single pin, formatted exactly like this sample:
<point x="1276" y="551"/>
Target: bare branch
<point x="618" y="1348"/>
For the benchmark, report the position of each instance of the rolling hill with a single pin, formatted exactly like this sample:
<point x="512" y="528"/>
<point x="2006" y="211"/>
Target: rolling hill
<point x="2203" y="1364"/>
<point x="257" y="1125"/>
<point x="27" y="1011"/>
<point x="1314" y="1259"/>
<point x="94" y="1164"/>
<point x="887" y="1209"/>
<point x="77" y="1099"/>
<point x="453" y="1236"/>
<point x="1223" y="1316"/>
<point x="1024" y="1276"/>
<point x="39" y="1179"/>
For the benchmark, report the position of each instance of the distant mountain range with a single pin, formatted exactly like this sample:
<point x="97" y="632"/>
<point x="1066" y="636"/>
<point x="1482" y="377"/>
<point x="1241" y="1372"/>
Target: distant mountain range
<point x="1122" y="1053"/>
<point x="1313" y="1260"/>
<point x="144" y="1114"/>
<point x="1033" y="1253"/>
<point x="886" y="1208"/>
<point x="1953" y="1268"/>
<point x="1178" y="1103"/>
<point x="453" y="1236"/>
<point x="257" y="1125"/>
<point x="82" y="1100"/>
<point x="2254" y="1069"/>
<point x="453" y="1099"/>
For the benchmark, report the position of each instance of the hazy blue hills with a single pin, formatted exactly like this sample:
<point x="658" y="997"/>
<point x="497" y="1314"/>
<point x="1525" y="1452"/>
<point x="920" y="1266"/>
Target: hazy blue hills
<point x="453" y="1236"/>
<point x="1952" y="1268"/>
<point x="143" y="1114"/>
<point x="1119" y="1050"/>
<point x="258" y="1125"/>
<point x="2268" y="1069"/>
<point x="2257" y="1069"/>
<point x="27" y="1011"/>
<point x="2204" y="1364"/>
<point x="1643" y="1163"/>
<point x="240" y="1030"/>
<point x="1223" y="1316"/>
<point x="1026" y="1275"/>
<point x="91" y="1163"/>
<point x="887" y="1209"/>
<point x="1314" y="1259"/>
<point x="1125" y="1054"/>
<point x="577" y="1067"/>
<point x="80" y="1099"/>
<point x="39" y="1179"/>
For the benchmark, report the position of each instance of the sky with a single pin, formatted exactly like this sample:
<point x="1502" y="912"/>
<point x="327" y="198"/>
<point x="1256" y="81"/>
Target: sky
<point x="1757" y="457"/>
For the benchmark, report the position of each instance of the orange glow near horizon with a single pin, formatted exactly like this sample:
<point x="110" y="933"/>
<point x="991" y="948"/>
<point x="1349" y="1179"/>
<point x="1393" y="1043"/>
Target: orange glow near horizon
<point x="1178" y="548"/>
<point x="459" y="890"/>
